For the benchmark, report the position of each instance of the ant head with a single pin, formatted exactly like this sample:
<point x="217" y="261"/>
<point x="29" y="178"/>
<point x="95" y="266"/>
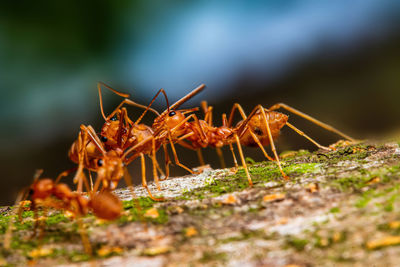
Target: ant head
<point x="169" y="119"/>
<point x="42" y="188"/>
<point x="173" y="118"/>
<point x="110" y="168"/>
<point x="106" y="205"/>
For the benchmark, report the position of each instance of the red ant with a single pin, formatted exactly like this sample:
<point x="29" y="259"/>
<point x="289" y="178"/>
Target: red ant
<point x="47" y="193"/>
<point x="260" y="129"/>
<point x="106" y="154"/>
<point x="119" y="133"/>
<point x="89" y="153"/>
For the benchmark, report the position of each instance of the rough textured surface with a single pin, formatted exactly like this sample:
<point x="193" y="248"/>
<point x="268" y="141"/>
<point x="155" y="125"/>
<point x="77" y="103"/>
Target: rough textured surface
<point x="339" y="208"/>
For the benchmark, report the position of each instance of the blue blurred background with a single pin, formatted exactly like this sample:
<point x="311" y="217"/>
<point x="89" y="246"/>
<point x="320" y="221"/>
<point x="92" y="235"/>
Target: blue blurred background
<point x="336" y="60"/>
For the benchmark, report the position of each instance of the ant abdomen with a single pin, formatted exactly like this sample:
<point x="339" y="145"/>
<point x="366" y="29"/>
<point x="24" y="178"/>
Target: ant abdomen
<point x="106" y="205"/>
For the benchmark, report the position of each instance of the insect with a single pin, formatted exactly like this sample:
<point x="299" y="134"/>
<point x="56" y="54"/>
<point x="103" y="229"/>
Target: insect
<point x="260" y="129"/>
<point x="45" y="193"/>
<point x="106" y="155"/>
<point x="134" y="139"/>
<point x="167" y="127"/>
<point x="89" y="153"/>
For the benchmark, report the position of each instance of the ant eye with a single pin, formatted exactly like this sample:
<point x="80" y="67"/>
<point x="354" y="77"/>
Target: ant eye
<point x="100" y="162"/>
<point x="103" y="139"/>
<point x="114" y="118"/>
<point x="171" y="113"/>
<point x="258" y="131"/>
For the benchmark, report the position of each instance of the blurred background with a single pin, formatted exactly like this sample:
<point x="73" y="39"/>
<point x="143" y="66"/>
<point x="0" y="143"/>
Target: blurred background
<point x="336" y="60"/>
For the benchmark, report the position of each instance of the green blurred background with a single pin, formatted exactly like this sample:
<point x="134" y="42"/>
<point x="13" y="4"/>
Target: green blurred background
<point x="336" y="60"/>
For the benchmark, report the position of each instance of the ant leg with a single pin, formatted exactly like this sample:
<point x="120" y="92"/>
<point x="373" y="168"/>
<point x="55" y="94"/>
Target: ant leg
<point x="307" y="137"/>
<point x="186" y="145"/>
<point x="167" y="162"/>
<point x="255" y="138"/>
<point x="63" y="174"/>
<point x="176" y="156"/>
<point x="122" y="126"/>
<point x="153" y="157"/>
<point x="79" y="173"/>
<point x="144" y="182"/>
<point x="159" y="170"/>
<point x="243" y="114"/>
<point x="96" y="185"/>
<point x="91" y="181"/>
<point x="8" y="235"/>
<point x="234" y="157"/>
<point x="41" y="223"/>
<point x="221" y="157"/>
<point x="200" y="157"/>
<point x="85" y="239"/>
<point x="313" y="120"/>
<point x="243" y="161"/>
<point x="265" y="118"/>
<point x="128" y="181"/>
<point x="35" y="218"/>
<point x="185" y="137"/>
<point x="241" y="111"/>
<point x="207" y="112"/>
<point x="84" y="134"/>
<point x="89" y="135"/>
<point x="196" y="120"/>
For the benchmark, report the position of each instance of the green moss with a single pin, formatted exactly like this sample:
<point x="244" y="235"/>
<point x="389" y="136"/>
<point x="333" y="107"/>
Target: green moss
<point x="27" y="214"/>
<point x="24" y="246"/>
<point x="137" y="214"/>
<point x="250" y="160"/>
<point x="4" y="223"/>
<point x="354" y="153"/>
<point x="290" y="154"/>
<point x="209" y="256"/>
<point x="303" y="168"/>
<point x="260" y="173"/>
<point x="56" y="219"/>
<point x="78" y="256"/>
<point x="143" y="202"/>
<point x="245" y="235"/>
<point x="351" y="183"/>
<point x="297" y="243"/>
<point x="334" y="210"/>
<point x="362" y="202"/>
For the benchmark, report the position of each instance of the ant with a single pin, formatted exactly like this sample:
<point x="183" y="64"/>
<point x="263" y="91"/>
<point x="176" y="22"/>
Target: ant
<point x="47" y="193"/>
<point x="119" y="132"/>
<point x="89" y="153"/>
<point x="260" y="129"/>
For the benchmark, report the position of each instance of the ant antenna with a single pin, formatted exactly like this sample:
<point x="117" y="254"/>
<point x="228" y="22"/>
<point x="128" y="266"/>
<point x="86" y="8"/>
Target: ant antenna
<point x="186" y="97"/>
<point x="152" y="101"/>
<point x="37" y="174"/>
<point x="99" y="84"/>
<point x="133" y="103"/>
